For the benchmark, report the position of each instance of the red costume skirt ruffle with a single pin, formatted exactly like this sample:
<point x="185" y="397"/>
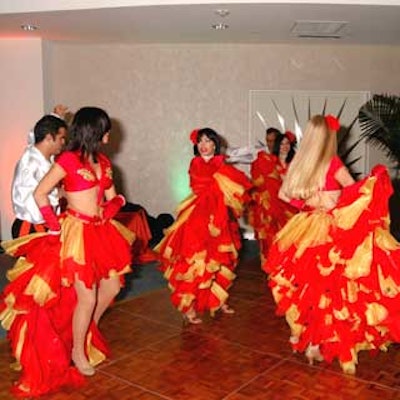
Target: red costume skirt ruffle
<point x="37" y="306"/>
<point x="268" y="214"/>
<point x="335" y="277"/>
<point x="200" y="250"/>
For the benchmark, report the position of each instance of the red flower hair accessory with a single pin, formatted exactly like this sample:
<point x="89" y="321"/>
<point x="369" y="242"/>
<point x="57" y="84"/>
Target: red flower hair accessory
<point x="193" y="136"/>
<point x="332" y="122"/>
<point x="290" y="136"/>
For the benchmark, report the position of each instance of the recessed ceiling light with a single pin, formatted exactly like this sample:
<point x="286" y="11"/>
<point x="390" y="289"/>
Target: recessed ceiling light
<point x="222" y="12"/>
<point x="220" y="26"/>
<point x="29" y="27"/>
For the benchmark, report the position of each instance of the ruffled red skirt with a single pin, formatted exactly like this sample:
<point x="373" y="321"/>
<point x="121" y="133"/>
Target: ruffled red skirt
<point x="200" y="250"/>
<point x="37" y="306"/>
<point x="335" y="277"/>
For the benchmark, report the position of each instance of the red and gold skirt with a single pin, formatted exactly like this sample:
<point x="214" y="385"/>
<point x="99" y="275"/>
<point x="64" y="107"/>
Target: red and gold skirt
<point x="37" y="306"/>
<point x="334" y="275"/>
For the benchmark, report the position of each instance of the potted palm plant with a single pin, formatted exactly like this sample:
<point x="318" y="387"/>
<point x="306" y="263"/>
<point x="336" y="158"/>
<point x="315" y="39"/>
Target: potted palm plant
<point x="379" y="120"/>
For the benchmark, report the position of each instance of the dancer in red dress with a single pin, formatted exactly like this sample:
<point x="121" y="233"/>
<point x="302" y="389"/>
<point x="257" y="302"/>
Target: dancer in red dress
<point x="267" y="212"/>
<point x="65" y="278"/>
<point x="200" y="250"/>
<point x="333" y="268"/>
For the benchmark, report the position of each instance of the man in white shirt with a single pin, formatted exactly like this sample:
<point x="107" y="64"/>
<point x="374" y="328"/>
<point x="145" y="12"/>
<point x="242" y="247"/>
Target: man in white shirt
<point x="49" y="138"/>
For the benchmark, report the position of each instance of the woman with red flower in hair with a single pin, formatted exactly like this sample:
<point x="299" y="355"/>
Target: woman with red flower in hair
<point x="333" y="268"/>
<point x="267" y="212"/>
<point x="200" y="250"/>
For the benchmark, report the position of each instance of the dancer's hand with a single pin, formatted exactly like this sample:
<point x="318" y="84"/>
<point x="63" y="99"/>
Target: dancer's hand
<point x="112" y="207"/>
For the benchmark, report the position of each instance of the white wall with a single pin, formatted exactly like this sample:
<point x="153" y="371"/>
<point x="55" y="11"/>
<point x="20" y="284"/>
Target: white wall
<point x="21" y="104"/>
<point x="159" y="93"/>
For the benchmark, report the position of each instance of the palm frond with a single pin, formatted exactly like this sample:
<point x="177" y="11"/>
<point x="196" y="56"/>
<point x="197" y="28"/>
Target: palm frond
<point x="345" y="133"/>
<point x="380" y="124"/>
<point x="344" y="149"/>
<point x="339" y="114"/>
<point x="324" y="109"/>
<point x="344" y="152"/>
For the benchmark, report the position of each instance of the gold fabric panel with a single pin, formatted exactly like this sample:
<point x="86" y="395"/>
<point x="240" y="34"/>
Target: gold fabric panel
<point x="228" y="248"/>
<point x="231" y="190"/>
<point x="11" y="246"/>
<point x="186" y="301"/>
<point x="385" y="241"/>
<point x="324" y="302"/>
<point x="360" y="264"/>
<point x="40" y="290"/>
<point x="375" y="313"/>
<point x="352" y="291"/>
<point x="291" y="315"/>
<point x="20" y="266"/>
<point x="342" y="314"/>
<point x="8" y="315"/>
<point x="127" y="234"/>
<point x="346" y="217"/>
<point x="185" y="203"/>
<point x="388" y="286"/>
<point x="95" y="356"/>
<point x="72" y="240"/>
<point x="174" y="227"/>
<point x="214" y="231"/>
<point x="21" y="341"/>
<point x="305" y="230"/>
<point x="197" y="267"/>
<point x="227" y="273"/>
<point x="220" y="294"/>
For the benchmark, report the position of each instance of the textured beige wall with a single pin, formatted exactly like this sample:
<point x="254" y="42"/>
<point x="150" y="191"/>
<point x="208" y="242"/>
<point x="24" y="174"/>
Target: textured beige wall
<point x="21" y="104"/>
<point x="158" y="93"/>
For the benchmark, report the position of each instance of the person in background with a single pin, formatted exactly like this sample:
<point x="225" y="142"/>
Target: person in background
<point x="47" y="140"/>
<point x="333" y="268"/>
<point x="267" y="213"/>
<point x="271" y="134"/>
<point x="66" y="278"/>
<point x="200" y="250"/>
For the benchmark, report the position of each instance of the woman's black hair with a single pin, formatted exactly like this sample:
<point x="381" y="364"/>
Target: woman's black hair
<point x="88" y="127"/>
<point x="212" y="135"/>
<point x="277" y="146"/>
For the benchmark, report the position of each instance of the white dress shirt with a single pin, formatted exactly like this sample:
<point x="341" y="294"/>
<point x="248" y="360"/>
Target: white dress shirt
<point x="245" y="154"/>
<point x="30" y="169"/>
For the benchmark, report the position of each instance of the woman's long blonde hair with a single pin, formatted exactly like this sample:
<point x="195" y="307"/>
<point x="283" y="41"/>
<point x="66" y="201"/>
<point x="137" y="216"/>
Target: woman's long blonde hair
<point x="307" y="171"/>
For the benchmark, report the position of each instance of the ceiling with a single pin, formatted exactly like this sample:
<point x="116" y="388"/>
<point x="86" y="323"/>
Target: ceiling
<point x="180" y="22"/>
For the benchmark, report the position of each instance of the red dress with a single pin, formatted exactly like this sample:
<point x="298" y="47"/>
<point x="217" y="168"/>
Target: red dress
<point x="200" y="250"/>
<point x="267" y="213"/>
<point x="334" y="275"/>
<point x="37" y="306"/>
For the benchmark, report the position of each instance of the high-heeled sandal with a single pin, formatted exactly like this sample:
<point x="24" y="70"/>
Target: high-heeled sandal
<point x="191" y="318"/>
<point x="86" y="370"/>
<point x="225" y="309"/>
<point x="313" y="354"/>
<point x="348" y="368"/>
<point x="294" y="341"/>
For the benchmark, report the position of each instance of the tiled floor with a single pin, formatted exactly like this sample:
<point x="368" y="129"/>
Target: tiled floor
<point x="233" y="357"/>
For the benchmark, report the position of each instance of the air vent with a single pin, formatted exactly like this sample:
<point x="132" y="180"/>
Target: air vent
<point x="319" y="29"/>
